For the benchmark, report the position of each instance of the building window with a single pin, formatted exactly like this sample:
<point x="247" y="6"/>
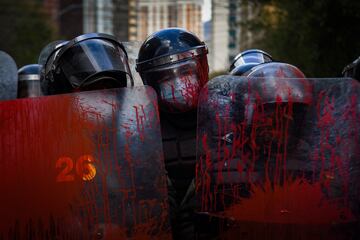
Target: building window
<point x="154" y="18"/>
<point x="188" y="17"/>
<point x="199" y="20"/>
<point x="172" y="15"/>
<point x="162" y="17"/>
<point x="143" y="22"/>
<point x="180" y="15"/>
<point x="232" y="45"/>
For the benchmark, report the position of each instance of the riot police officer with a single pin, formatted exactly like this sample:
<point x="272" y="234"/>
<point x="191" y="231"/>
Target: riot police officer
<point x="250" y="122"/>
<point x="88" y="62"/>
<point x="173" y="61"/>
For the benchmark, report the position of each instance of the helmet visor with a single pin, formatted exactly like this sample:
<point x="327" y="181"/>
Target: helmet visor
<point x="85" y="59"/>
<point x="253" y="57"/>
<point x="178" y="85"/>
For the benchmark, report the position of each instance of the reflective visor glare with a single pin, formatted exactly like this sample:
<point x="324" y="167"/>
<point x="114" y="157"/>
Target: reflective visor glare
<point x="252" y="58"/>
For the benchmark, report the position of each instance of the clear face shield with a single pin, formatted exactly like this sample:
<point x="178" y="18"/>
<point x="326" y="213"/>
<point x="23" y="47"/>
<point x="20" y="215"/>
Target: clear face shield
<point x="178" y="84"/>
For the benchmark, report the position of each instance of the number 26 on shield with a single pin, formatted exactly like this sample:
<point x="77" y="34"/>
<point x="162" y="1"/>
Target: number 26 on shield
<point x="84" y="168"/>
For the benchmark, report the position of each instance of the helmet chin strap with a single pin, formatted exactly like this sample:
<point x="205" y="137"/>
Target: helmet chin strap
<point x="88" y="83"/>
<point x="105" y="78"/>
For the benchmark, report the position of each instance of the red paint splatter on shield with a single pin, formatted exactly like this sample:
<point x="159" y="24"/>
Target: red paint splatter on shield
<point x="295" y="202"/>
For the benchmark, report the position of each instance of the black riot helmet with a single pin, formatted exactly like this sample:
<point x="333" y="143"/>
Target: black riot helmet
<point x="29" y="81"/>
<point x="88" y="62"/>
<point x="257" y="63"/>
<point x="50" y="49"/>
<point x="248" y="59"/>
<point x="353" y="70"/>
<point x="173" y="61"/>
<point x="46" y="60"/>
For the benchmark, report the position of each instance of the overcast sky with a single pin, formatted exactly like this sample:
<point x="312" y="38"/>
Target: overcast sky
<point x="206" y="11"/>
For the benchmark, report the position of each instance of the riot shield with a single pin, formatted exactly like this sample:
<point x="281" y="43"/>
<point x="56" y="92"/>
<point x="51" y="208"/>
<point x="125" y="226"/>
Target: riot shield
<point x="279" y="158"/>
<point x="85" y="165"/>
<point x="8" y="77"/>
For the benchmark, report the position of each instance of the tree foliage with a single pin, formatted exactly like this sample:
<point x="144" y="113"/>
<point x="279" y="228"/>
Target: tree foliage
<point x="24" y="29"/>
<point x="320" y="37"/>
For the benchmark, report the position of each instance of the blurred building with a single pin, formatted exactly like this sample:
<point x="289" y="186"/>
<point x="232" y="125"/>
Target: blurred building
<point x="75" y="17"/>
<point x="98" y="16"/>
<point x="207" y="28"/>
<point x="116" y="17"/>
<point x="128" y="20"/>
<point x="134" y="20"/>
<point x="219" y="51"/>
<point x="230" y="34"/>
<point x="240" y="36"/>
<point x="154" y="15"/>
<point x="67" y="16"/>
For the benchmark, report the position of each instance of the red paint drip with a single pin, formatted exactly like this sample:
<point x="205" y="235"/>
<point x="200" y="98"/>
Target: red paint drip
<point x="140" y="122"/>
